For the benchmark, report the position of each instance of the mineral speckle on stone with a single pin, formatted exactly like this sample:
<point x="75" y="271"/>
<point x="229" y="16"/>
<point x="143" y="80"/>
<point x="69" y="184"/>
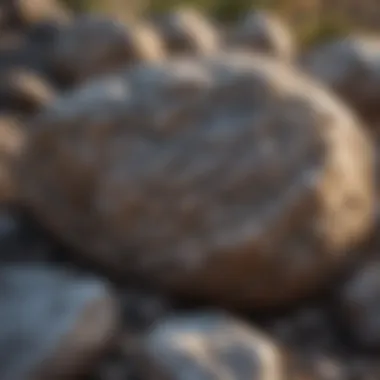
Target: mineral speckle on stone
<point x="234" y="178"/>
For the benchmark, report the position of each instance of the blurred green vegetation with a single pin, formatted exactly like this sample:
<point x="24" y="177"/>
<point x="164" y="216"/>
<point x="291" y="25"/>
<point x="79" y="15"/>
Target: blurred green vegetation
<point x="309" y="23"/>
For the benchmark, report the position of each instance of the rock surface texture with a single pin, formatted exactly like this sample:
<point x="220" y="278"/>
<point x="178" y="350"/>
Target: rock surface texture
<point x="264" y="32"/>
<point x="233" y="179"/>
<point x="53" y="325"/>
<point x="351" y="66"/>
<point x="204" y="346"/>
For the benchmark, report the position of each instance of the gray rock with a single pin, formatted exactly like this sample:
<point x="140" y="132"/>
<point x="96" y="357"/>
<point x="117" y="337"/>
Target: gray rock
<point x="15" y="14"/>
<point x="205" y="346"/>
<point x="359" y="302"/>
<point x="234" y="179"/>
<point x="186" y="31"/>
<point x="94" y="45"/>
<point x="53" y="324"/>
<point x="351" y="67"/>
<point x="262" y="31"/>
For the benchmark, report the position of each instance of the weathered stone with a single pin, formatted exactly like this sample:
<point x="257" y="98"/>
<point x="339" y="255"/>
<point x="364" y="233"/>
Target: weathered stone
<point x="359" y="302"/>
<point x="24" y="91"/>
<point x="186" y="31"/>
<point x="94" y="45"/>
<point x="53" y="324"/>
<point x="264" y="32"/>
<point x="350" y="66"/>
<point x="234" y="178"/>
<point x="204" y="346"/>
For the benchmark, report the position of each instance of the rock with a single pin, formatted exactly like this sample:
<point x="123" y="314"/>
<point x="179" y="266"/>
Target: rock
<point x="205" y="345"/>
<point x="233" y="179"/>
<point x="264" y="32"/>
<point x="24" y="91"/>
<point x="187" y="31"/>
<point x="351" y="67"/>
<point x="17" y="53"/>
<point x="12" y="139"/>
<point x="94" y="45"/>
<point x="358" y="301"/>
<point x="53" y="324"/>
<point x="141" y="309"/>
<point x="16" y="14"/>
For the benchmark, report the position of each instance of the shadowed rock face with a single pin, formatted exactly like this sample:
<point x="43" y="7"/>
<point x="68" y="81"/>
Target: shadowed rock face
<point x="264" y="32"/>
<point x="351" y="67"/>
<point x="185" y="31"/>
<point x="233" y="179"/>
<point x="52" y="324"/>
<point x="358" y="301"/>
<point x="205" y="346"/>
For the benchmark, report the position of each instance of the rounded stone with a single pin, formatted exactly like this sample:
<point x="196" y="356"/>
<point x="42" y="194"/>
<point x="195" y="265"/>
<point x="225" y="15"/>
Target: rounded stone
<point x="234" y="179"/>
<point x="94" y="45"/>
<point x="264" y="32"/>
<point x="359" y="304"/>
<point x="351" y="67"/>
<point x="24" y="91"/>
<point x="24" y="13"/>
<point x="205" y="346"/>
<point x="186" y="31"/>
<point x="12" y="139"/>
<point x="53" y="324"/>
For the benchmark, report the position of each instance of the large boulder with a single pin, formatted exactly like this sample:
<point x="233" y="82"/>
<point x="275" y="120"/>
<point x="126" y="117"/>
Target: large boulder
<point x="53" y="324"/>
<point x="351" y="67"/>
<point x="186" y="31"/>
<point x="94" y="45"/>
<point x="204" y="346"/>
<point x="264" y="32"/>
<point x="234" y="178"/>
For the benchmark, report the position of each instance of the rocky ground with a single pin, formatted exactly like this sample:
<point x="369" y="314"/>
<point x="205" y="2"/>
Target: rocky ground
<point x="180" y="200"/>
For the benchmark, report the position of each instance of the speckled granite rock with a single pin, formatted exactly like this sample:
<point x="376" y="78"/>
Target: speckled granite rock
<point x="264" y="32"/>
<point x="186" y="31"/>
<point x="53" y="325"/>
<point x="233" y="179"/>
